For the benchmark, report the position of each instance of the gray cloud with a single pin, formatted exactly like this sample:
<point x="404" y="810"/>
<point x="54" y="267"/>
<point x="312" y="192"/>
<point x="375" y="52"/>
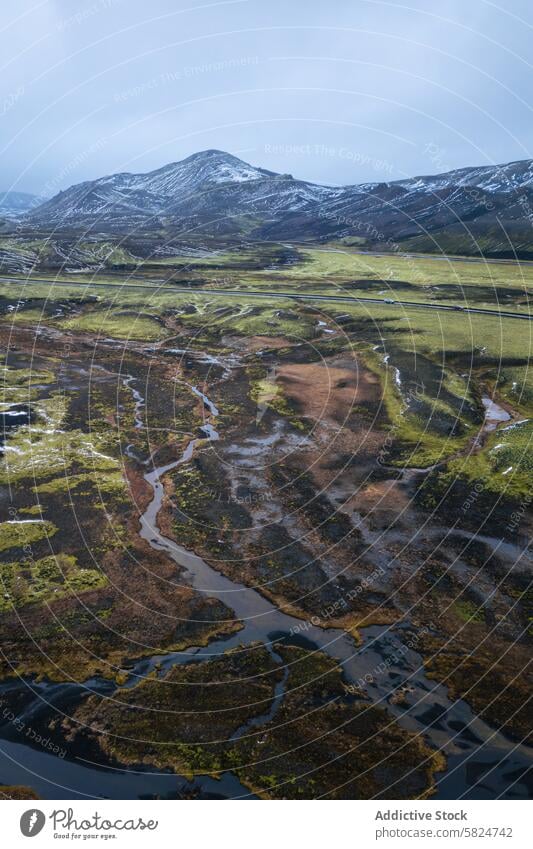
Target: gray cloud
<point x="339" y="92"/>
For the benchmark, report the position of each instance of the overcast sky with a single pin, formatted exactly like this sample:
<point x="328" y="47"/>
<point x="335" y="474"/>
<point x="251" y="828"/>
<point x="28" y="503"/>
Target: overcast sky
<point x="344" y="91"/>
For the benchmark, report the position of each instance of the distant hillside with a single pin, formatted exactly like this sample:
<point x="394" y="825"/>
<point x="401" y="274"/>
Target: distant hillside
<point x="16" y="203"/>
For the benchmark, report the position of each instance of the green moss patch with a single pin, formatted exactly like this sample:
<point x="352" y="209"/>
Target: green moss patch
<point x="17" y="534"/>
<point x="117" y="325"/>
<point x="28" y="581"/>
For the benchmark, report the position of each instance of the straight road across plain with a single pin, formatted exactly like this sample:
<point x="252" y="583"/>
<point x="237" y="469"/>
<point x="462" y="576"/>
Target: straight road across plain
<point x="254" y="293"/>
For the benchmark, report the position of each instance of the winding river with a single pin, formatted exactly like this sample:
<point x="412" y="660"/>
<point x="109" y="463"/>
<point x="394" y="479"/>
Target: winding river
<point x="481" y="762"/>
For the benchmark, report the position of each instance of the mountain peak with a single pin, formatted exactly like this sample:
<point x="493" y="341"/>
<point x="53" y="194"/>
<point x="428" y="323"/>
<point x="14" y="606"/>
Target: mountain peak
<point x="218" y="166"/>
<point x="210" y="153"/>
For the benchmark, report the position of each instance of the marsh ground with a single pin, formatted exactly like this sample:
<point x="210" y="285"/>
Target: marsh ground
<point x="359" y="466"/>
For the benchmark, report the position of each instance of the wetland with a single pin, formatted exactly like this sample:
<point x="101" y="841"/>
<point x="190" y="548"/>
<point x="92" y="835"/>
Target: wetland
<point x="275" y="549"/>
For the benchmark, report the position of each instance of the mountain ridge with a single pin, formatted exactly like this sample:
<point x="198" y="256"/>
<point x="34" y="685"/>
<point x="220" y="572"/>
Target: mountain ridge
<point x="215" y="193"/>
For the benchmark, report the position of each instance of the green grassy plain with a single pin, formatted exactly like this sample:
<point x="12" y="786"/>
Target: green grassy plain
<point x="449" y="358"/>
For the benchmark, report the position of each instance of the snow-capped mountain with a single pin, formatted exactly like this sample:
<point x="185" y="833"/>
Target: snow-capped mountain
<point x="215" y="193"/>
<point x="118" y="198"/>
<point x="212" y="185"/>
<point x="490" y="178"/>
<point x="16" y="203"/>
